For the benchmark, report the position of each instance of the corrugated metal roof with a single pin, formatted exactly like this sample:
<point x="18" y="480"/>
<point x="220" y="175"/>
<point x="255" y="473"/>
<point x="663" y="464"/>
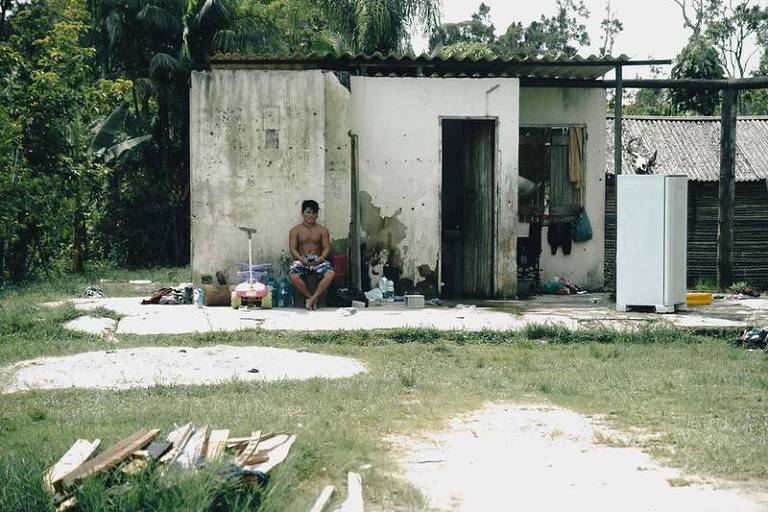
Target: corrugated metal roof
<point x="575" y="67"/>
<point x="691" y="146"/>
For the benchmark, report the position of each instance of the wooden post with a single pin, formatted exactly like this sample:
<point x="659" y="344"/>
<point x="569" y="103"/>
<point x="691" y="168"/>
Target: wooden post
<point x="354" y="222"/>
<point x="727" y="189"/>
<point x="617" y="104"/>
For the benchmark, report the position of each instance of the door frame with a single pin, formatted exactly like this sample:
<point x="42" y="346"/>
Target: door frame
<point x="497" y="193"/>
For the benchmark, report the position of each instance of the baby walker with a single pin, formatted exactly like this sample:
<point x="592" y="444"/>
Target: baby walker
<point x="251" y="291"/>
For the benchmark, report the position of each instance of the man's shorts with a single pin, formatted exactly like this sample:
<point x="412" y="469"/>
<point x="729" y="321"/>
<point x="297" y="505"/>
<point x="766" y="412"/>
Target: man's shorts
<point x="300" y="269"/>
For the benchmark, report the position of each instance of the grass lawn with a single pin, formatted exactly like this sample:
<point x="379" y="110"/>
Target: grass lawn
<point x="702" y="397"/>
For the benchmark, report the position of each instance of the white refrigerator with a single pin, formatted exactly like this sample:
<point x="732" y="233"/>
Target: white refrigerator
<point x="651" y="245"/>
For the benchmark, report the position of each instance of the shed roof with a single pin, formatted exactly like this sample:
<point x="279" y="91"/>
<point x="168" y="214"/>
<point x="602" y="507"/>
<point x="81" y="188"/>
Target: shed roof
<point x="691" y="146"/>
<point x="377" y="64"/>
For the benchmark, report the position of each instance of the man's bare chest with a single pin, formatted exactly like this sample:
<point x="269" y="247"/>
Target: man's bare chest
<point x="314" y="235"/>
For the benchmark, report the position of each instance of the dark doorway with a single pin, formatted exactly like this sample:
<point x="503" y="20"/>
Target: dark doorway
<point x="467" y="207"/>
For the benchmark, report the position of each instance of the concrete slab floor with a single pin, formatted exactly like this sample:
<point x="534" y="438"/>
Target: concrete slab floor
<point x="575" y="312"/>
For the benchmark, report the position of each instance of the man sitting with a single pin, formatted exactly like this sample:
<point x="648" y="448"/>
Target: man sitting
<point x="310" y="245"/>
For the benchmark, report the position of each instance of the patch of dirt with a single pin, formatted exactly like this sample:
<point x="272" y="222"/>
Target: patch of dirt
<point x="91" y="324"/>
<point x="149" y="366"/>
<point x="542" y="458"/>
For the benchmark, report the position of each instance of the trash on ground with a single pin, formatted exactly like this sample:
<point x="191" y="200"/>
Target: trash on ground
<point x="465" y="306"/>
<point x="93" y="293"/>
<point x="435" y="302"/>
<point x="561" y="286"/>
<point x="375" y="295"/>
<point x="414" y="301"/>
<point x="754" y="339"/>
<point x="185" y="449"/>
<point x="346" y="311"/>
<point x="181" y="294"/>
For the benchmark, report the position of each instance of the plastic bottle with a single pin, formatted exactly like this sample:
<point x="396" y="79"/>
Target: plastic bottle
<point x="390" y="291"/>
<point x="282" y="294"/>
<point x="290" y="294"/>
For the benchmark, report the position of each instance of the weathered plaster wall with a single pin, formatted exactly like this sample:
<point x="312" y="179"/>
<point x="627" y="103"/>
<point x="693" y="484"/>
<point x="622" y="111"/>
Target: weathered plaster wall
<point x="257" y="150"/>
<point x="398" y="123"/>
<point x="337" y="162"/>
<point x="562" y="107"/>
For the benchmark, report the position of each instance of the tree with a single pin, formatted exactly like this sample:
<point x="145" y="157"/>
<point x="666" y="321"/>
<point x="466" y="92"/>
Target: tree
<point x="610" y="27"/>
<point x="380" y="25"/>
<point x="50" y="95"/>
<point x="648" y="101"/>
<point x="478" y="29"/>
<point x="563" y="33"/>
<point x="699" y="59"/>
<point x="733" y="28"/>
<point x="464" y="50"/>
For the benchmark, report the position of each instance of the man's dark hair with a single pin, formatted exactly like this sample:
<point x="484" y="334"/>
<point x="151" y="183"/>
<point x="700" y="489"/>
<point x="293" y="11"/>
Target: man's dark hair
<point x="311" y="204"/>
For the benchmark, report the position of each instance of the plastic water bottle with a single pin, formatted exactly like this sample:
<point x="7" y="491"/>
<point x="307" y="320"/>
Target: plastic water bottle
<point x="390" y="291"/>
<point x="282" y="295"/>
<point x="289" y="295"/>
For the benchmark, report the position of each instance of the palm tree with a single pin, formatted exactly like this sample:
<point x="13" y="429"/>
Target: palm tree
<point x="381" y="25"/>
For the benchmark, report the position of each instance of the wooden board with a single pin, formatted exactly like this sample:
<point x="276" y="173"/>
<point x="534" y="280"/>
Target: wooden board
<point x="235" y="442"/>
<point x="354" y="501"/>
<point x="111" y="457"/>
<point x="77" y="454"/>
<point x="194" y="449"/>
<point x="322" y="500"/>
<point x="217" y="443"/>
<point x="179" y="438"/>
<point x="277" y="448"/>
<point x="250" y="449"/>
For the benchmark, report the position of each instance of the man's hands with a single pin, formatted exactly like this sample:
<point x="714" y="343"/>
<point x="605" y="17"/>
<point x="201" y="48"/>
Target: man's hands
<point x="312" y="265"/>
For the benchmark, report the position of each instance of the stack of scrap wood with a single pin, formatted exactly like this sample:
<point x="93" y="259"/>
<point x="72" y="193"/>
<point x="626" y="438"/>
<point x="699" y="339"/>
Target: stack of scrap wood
<point x="186" y="447"/>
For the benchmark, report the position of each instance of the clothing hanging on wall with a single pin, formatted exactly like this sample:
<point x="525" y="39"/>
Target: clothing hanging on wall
<point x="559" y="235"/>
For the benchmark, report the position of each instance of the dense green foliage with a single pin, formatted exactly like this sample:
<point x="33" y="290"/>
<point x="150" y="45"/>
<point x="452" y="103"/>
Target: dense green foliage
<point x="94" y="113"/>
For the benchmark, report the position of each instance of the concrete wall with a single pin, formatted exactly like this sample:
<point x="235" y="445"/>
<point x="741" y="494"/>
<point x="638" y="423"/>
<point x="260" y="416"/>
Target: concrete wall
<point x="258" y="148"/>
<point x="337" y="163"/>
<point x="564" y="107"/>
<point x="398" y="123"/>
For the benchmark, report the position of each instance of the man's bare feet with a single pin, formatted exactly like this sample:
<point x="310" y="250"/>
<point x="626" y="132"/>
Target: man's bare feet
<point x="312" y="303"/>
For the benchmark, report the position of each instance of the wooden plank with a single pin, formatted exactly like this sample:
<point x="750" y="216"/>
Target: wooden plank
<point x="250" y="448"/>
<point x="66" y="504"/>
<point x="179" y="438"/>
<point x="111" y="457"/>
<point x="277" y="448"/>
<point x="194" y="449"/>
<point x="217" y="443"/>
<point x="354" y="501"/>
<point x="78" y="453"/>
<point x="322" y="500"/>
<point x="235" y="442"/>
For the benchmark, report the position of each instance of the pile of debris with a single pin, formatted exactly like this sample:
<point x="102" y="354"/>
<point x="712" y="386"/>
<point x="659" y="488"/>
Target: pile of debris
<point x="186" y="447"/>
<point x="753" y="339"/>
